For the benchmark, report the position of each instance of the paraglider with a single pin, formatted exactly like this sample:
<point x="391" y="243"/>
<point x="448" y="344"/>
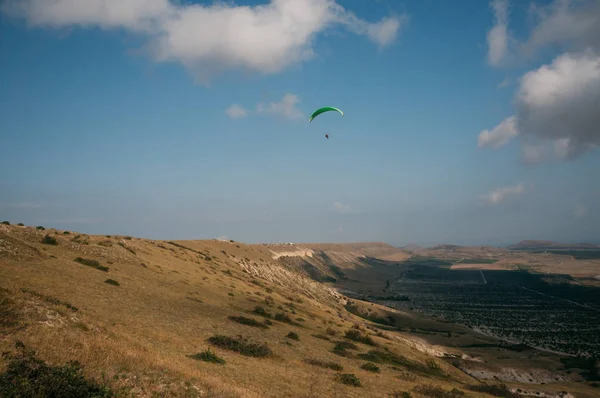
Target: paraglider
<point x="323" y="110"/>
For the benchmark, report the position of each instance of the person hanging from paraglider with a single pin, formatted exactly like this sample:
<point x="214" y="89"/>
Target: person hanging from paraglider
<point x="323" y="110"/>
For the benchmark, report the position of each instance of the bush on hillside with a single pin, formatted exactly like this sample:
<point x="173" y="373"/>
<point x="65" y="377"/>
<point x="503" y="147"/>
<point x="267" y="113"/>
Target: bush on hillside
<point x="349" y="380"/>
<point x="497" y="390"/>
<point x="371" y="367"/>
<point x="248" y="321"/>
<point x="324" y="364"/>
<point x="241" y="345"/>
<point x="432" y="391"/>
<point x="357" y="336"/>
<point x="112" y="282"/>
<point x="91" y="263"/>
<point x="293" y="336"/>
<point x="28" y="376"/>
<point x="49" y="240"/>
<point x="208" y="356"/>
<point x="258" y="310"/>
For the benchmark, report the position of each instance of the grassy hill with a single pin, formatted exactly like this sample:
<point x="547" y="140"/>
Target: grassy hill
<point x="202" y="319"/>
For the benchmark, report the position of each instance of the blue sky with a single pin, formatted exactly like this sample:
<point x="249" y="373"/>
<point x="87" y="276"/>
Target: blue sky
<point x="475" y="124"/>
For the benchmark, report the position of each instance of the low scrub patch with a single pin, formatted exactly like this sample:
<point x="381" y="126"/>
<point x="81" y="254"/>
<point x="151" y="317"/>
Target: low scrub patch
<point x="283" y="317"/>
<point x="431" y="368"/>
<point x="346" y="345"/>
<point x="248" y="321"/>
<point x="6" y="222"/>
<point x="241" y="345"/>
<point x="355" y="335"/>
<point x="112" y="282"/>
<point x="208" y="356"/>
<point x="400" y="394"/>
<point x="49" y="240"/>
<point x="50" y="299"/>
<point x="91" y="263"/>
<point x="497" y="390"/>
<point x="28" y="376"/>
<point x="258" y="310"/>
<point x="324" y="364"/>
<point x="331" y="332"/>
<point x="349" y="379"/>
<point x="293" y="336"/>
<point x="371" y="367"/>
<point x="432" y="391"/>
<point x="321" y="336"/>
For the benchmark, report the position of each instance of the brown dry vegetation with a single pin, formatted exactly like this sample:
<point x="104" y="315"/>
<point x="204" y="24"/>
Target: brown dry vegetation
<point x="172" y="298"/>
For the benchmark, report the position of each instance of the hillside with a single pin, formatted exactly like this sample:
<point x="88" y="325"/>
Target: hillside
<point x="139" y="315"/>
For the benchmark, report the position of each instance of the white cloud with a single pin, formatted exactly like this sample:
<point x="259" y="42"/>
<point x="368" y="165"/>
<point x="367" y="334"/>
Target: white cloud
<point x="235" y="111"/>
<point x="569" y="23"/>
<point x="580" y="211"/>
<point x="497" y="36"/>
<point x="340" y="207"/>
<point x="559" y="102"/>
<point x="500" y="195"/>
<point x="556" y="104"/>
<point x="285" y="108"/>
<point x="208" y="40"/>
<point x="500" y="135"/>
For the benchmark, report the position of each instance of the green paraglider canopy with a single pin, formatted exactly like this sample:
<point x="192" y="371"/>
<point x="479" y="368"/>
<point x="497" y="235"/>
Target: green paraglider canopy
<point x="323" y="110"/>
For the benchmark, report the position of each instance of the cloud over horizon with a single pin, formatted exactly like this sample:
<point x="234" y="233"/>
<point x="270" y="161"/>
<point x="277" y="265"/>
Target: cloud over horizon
<point x="208" y="40"/>
<point x="235" y="111"/>
<point x="502" y="194"/>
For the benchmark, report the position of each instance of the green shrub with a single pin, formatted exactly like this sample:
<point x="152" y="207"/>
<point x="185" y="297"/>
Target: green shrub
<point x="357" y="336"/>
<point x="248" y="321"/>
<point x="258" y="310"/>
<point x="349" y="379"/>
<point x="321" y="336"/>
<point x="40" y="228"/>
<point x="371" y="367"/>
<point x="21" y="224"/>
<point x="50" y="299"/>
<point x="241" y="345"/>
<point x="66" y="233"/>
<point x="208" y="356"/>
<point x="91" y="263"/>
<point x="431" y="369"/>
<point x="230" y="294"/>
<point x="112" y="282"/>
<point x="341" y="351"/>
<point x="281" y="317"/>
<point x="497" y="390"/>
<point x="324" y="364"/>
<point x="6" y="222"/>
<point x="293" y="336"/>
<point x="346" y="345"/>
<point x="49" y="240"/>
<point x="331" y="332"/>
<point x="429" y="390"/>
<point x="401" y="394"/>
<point x="28" y="376"/>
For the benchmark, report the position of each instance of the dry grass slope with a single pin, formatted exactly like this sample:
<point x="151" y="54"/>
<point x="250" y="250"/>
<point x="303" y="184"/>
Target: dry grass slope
<point x="195" y="319"/>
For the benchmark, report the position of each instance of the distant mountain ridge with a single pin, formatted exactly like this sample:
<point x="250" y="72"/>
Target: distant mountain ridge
<point x="550" y="245"/>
